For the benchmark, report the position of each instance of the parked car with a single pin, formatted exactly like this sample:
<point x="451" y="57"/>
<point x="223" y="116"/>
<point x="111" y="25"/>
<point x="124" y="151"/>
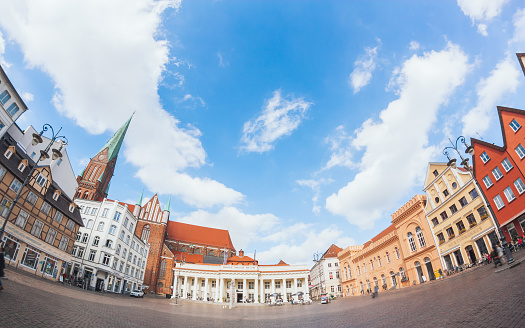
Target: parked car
<point x="325" y="300"/>
<point x="136" y="293"/>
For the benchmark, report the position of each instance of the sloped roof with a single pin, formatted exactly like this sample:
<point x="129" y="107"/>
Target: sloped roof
<point x="332" y="251"/>
<point x="281" y="262"/>
<point x="383" y="233"/>
<point x="194" y="234"/>
<point x="188" y="258"/>
<point x="237" y="258"/>
<point x="113" y="145"/>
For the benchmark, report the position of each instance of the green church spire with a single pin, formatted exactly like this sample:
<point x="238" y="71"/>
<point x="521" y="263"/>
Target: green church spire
<point x="168" y="205"/>
<point x="139" y="202"/>
<point x="113" y="144"/>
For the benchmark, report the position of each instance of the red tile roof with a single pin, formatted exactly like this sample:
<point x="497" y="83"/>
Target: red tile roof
<point x="188" y="258"/>
<point x="194" y="234"/>
<point x="332" y="251"/>
<point x="241" y="260"/>
<point x="383" y="233"/>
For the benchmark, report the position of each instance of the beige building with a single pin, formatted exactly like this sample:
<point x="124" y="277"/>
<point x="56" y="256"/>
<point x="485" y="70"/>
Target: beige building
<point x="460" y="223"/>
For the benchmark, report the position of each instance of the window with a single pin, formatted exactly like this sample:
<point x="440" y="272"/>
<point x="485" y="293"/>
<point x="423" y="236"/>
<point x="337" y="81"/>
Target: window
<point x="92" y="254"/>
<point x="4" y="97"/>
<point x="126" y="220"/>
<point x="96" y="240"/>
<point x="162" y="272"/>
<point x="109" y="243"/>
<point x="454" y="185"/>
<point x="487" y="181"/>
<point x="70" y="225"/>
<point x="80" y="252"/>
<point x="74" y="250"/>
<point x="445" y="192"/>
<point x="2" y="172"/>
<point x="277" y="284"/>
<point x="21" y="220"/>
<point x="105" y="213"/>
<point x="436" y="200"/>
<point x="127" y="240"/>
<point x="12" y="109"/>
<point x="51" y="236"/>
<point x="499" y="202"/>
<point x="411" y="242"/>
<point x="100" y="226"/>
<point x="519" y="186"/>
<point x="117" y="216"/>
<point x="520" y="151"/>
<point x="463" y="201"/>
<point x="387" y="257"/>
<point x="397" y="252"/>
<point x="134" y="259"/>
<point x="117" y="251"/>
<point x="453" y="209"/>
<point x="112" y="230"/>
<point x="84" y="238"/>
<point x="131" y="227"/>
<point x="79" y="235"/>
<point x="506" y="164"/>
<point x="440" y="236"/>
<point x="58" y="217"/>
<point x="497" y="173"/>
<point x="32" y="198"/>
<point x="106" y="259"/>
<point x="94" y="211"/>
<point x="509" y="194"/>
<point x="266" y="285"/>
<point x="461" y="226"/>
<point x="41" y="180"/>
<point x="87" y="210"/>
<point x="471" y="219"/>
<point x="15" y="185"/>
<point x="115" y="263"/>
<point x="473" y="194"/>
<point x="379" y="261"/>
<point x="56" y="195"/>
<point x="482" y="211"/>
<point x="37" y="228"/>
<point x="21" y="167"/>
<point x="450" y="233"/>
<point x="45" y="208"/>
<point x="64" y="242"/>
<point x="371" y="265"/>
<point x="484" y="157"/>
<point x="435" y="221"/>
<point x="443" y="215"/>
<point x="514" y="125"/>
<point x="145" y="233"/>
<point x="402" y="272"/>
<point x="435" y="173"/>
<point x="420" y="237"/>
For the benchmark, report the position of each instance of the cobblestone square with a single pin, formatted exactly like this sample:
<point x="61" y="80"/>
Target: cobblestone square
<point x="477" y="298"/>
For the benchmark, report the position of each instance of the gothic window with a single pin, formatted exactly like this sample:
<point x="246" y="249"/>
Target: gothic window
<point x="420" y="237"/>
<point x="145" y="233"/>
<point x="411" y="242"/>
<point x="397" y="253"/>
<point x="162" y="271"/>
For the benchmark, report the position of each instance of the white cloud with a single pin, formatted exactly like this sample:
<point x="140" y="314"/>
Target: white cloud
<point x="99" y="89"/>
<point x="193" y="101"/>
<point x="2" y="51"/>
<point x="503" y="79"/>
<point x="519" y="29"/>
<point x="28" y="97"/>
<point x="279" y="118"/>
<point x="315" y="185"/>
<point x="414" y="45"/>
<point x="364" y="66"/>
<point x="222" y="63"/>
<point x="481" y="11"/>
<point x="340" y="145"/>
<point x="396" y="147"/>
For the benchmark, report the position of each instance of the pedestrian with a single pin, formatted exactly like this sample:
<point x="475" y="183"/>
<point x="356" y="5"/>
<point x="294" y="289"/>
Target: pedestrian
<point x="424" y="278"/>
<point x="376" y="290"/>
<point x="500" y="253"/>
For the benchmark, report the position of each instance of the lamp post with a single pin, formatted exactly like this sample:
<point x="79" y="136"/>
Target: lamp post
<point x="37" y="139"/>
<point x="464" y="162"/>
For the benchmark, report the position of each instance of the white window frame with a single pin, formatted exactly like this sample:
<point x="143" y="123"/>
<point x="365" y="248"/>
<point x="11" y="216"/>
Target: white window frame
<point x="70" y="225"/>
<point x="520" y="186"/>
<point x="498" y="202"/>
<point x="509" y="194"/>
<point x="100" y="226"/>
<point x="58" y="217"/>
<point x="92" y="255"/>
<point x="411" y="242"/>
<point x="497" y="173"/>
<point x="37" y="228"/>
<point x="96" y="241"/>
<point x="507" y="165"/>
<point x="41" y="180"/>
<point x="32" y="198"/>
<point x="484" y="157"/>
<point x="487" y="181"/>
<point x="514" y="125"/>
<point x="45" y="208"/>
<point x="15" y="185"/>
<point x="21" y="219"/>
<point x="51" y="236"/>
<point x="520" y="151"/>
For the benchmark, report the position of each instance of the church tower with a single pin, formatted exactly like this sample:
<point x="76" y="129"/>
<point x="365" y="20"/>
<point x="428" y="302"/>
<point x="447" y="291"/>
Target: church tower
<point x="93" y="182"/>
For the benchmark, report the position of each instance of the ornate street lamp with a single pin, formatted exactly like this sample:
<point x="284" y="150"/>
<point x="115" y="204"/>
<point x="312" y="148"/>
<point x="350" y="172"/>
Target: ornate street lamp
<point x="44" y="154"/>
<point x="464" y="162"/>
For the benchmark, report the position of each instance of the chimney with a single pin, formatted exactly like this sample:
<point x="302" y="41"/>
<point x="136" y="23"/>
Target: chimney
<point x="241" y="253"/>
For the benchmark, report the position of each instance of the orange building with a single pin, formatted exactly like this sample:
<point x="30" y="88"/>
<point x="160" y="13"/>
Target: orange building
<point x="402" y="254"/>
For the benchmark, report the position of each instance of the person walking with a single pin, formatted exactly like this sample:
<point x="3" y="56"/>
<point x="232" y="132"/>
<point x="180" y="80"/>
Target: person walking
<point x="376" y="291"/>
<point x="500" y="253"/>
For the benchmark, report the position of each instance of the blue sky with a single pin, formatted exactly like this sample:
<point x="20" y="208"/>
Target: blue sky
<point x="293" y="124"/>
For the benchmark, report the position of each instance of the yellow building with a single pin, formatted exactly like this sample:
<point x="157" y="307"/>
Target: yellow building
<point x="462" y="227"/>
<point x="401" y="255"/>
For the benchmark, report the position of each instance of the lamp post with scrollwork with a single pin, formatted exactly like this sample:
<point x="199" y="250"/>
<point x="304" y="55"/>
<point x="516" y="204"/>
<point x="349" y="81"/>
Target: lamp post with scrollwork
<point x="56" y="153"/>
<point x="464" y="162"/>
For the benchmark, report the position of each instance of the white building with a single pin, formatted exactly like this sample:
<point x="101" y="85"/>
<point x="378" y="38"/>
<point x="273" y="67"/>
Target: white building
<point x="252" y="282"/>
<point x="107" y="254"/>
<point x="11" y="104"/>
<point x="325" y="274"/>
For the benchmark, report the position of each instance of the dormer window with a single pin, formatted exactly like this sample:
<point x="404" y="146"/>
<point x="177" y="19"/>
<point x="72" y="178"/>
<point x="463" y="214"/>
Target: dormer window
<point x="22" y="165"/>
<point x="71" y="207"/>
<point x="56" y="195"/>
<point x="9" y="152"/>
<point x="514" y="125"/>
<point x="41" y="180"/>
<point x="435" y="173"/>
<point x="484" y="157"/>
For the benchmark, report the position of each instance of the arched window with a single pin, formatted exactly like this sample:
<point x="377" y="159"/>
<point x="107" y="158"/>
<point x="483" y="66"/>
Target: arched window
<point x="100" y="226"/>
<point x="420" y="237"/>
<point x="113" y="229"/>
<point x="375" y="281"/>
<point x="210" y="253"/>
<point x="145" y="233"/>
<point x="362" y="288"/>
<point x="89" y="224"/>
<point x="350" y="272"/>
<point x="411" y="242"/>
<point x="346" y="273"/>
<point x="402" y="272"/>
<point x="372" y="264"/>
<point x="368" y="284"/>
<point x="379" y="260"/>
<point x="393" y="277"/>
<point x="397" y="253"/>
<point x="162" y="271"/>
<point x="383" y="278"/>
<point x="387" y="257"/>
<point x="127" y="240"/>
<point x="96" y="240"/>
<point x="358" y="270"/>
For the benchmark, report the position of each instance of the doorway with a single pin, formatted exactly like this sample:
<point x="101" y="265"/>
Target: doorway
<point x="239" y="297"/>
<point x="430" y="270"/>
<point x="100" y="285"/>
<point x="448" y="262"/>
<point x="459" y="257"/>
<point x="419" y="272"/>
<point x="471" y="254"/>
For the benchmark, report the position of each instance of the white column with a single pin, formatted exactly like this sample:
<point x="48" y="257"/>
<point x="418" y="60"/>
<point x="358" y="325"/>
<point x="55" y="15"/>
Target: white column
<point x="244" y="291"/>
<point x="195" y="282"/>
<point x="221" y="289"/>
<point x="284" y="291"/>
<point x="233" y="291"/>
<point x="256" y="296"/>
<point x="295" y="285"/>
<point x="205" y="289"/>
<point x="185" y="291"/>
<point x="263" y="291"/>
<point x="305" y="285"/>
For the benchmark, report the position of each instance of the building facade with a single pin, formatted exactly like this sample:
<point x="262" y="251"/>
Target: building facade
<point x="11" y="104"/>
<point x="41" y="229"/>
<point x="403" y="254"/>
<point x="242" y="281"/>
<point x="462" y="227"/>
<point x="107" y="255"/>
<point x="325" y="274"/>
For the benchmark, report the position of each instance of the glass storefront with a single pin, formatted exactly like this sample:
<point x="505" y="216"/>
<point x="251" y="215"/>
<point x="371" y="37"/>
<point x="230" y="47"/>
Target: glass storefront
<point x="30" y="258"/>
<point x="11" y="248"/>
<point x="49" y="267"/>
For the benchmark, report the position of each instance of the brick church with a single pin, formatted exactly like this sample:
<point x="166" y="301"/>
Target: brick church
<point x="170" y="241"/>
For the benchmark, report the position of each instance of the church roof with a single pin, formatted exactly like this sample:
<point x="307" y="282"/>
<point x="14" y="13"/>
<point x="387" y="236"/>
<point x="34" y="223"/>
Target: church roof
<point x="194" y="234"/>
<point x="113" y="144"/>
<point x="332" y="251"/>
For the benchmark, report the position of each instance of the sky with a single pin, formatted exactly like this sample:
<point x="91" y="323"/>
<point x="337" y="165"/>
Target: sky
<point x="293" y="124"/>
